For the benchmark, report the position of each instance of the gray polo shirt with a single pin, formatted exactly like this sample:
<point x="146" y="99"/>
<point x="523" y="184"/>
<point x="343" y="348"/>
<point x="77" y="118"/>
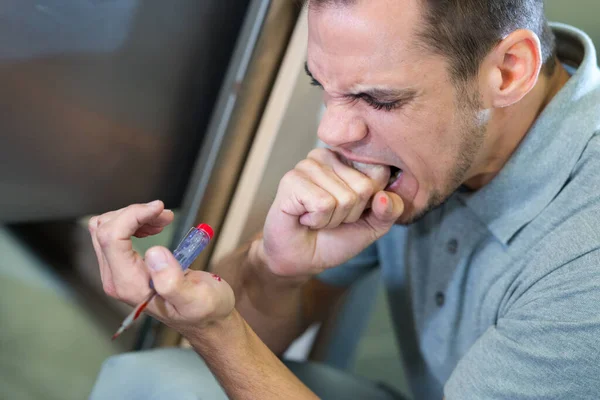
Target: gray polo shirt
<point x="496" y="294"/>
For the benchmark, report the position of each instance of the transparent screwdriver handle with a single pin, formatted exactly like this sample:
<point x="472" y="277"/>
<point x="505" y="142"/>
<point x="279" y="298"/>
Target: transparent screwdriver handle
<point x="191" y="246"/>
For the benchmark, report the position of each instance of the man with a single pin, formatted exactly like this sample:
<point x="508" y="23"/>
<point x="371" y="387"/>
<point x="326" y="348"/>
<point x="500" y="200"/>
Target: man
<point x="467" y="125"/>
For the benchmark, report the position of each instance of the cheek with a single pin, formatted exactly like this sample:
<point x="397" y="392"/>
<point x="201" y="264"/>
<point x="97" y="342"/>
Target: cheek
<point x="412" y="133"/>
<point x="422" y="139"/>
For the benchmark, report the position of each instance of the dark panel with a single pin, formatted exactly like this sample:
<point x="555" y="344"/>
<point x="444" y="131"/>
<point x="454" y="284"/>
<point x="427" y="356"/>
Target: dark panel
<point x="104" y="103"/>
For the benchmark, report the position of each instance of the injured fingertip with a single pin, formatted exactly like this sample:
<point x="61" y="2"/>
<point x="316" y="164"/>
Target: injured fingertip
<point x="383" y="200"/>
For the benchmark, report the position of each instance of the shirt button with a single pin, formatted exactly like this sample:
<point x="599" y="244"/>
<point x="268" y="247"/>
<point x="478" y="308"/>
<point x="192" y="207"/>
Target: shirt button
<point x="452" y="246"/>
<point x="440" y="299"/>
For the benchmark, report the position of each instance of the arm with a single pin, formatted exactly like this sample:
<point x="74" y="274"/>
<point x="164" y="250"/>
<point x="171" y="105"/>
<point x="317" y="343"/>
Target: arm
<point x="324" y="214"/>
<point x="317" y="221"/>
<point x="243" y="364"/>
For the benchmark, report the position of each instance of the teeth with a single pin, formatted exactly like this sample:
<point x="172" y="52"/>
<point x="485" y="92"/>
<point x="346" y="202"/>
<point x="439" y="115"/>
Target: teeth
<point x="395" y="176"/>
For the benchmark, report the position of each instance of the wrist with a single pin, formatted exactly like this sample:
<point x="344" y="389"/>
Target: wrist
<point x="262" y="268"/>
<point x="212" y="334"/>
<point x="256" y="254"/>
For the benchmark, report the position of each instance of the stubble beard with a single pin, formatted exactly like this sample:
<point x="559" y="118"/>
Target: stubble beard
<point x="473" y="133"/>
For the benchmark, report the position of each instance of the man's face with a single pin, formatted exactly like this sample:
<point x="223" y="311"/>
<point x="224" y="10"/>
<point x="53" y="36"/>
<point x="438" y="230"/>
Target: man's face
<point x="389" y="101"/>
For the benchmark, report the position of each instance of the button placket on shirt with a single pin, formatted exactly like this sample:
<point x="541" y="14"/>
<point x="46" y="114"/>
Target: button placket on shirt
<point x="451" y="250"/>
<point x="452" y="246"/>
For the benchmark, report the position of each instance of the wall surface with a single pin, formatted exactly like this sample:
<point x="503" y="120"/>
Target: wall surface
<point x="582" y="14"/>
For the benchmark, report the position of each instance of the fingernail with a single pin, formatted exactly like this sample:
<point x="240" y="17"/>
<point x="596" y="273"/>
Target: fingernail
<point x="153" y="203"/>
<point x="156" y="260"/>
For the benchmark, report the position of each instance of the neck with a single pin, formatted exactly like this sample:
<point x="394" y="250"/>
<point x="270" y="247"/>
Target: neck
<point x="510" y="126"/>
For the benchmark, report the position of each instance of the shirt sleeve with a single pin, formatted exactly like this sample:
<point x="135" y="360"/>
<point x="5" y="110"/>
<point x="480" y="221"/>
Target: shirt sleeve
<point x="546" y="346"/>
<point x="351" y="271"/>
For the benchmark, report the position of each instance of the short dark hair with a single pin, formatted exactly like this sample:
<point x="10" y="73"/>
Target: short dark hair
<point x="465" y="31"/>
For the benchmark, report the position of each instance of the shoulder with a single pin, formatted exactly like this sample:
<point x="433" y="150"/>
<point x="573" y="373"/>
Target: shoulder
<point x="570" y="221"/>
<point x="563" y="241"/>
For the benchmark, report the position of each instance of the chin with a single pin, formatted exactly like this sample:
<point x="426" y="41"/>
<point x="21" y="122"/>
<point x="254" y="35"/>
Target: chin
<point x="410" y="216"/>
<point x="415" y="212"/>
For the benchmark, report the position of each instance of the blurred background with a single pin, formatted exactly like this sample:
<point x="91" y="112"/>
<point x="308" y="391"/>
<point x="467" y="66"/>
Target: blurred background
<point x="104" y="103"/>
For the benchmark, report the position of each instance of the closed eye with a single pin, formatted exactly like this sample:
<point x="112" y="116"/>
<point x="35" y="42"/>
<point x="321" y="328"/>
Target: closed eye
<point x="368" y="98"/>
<point x="314" y="82"/>
<point x="377" y="105"/>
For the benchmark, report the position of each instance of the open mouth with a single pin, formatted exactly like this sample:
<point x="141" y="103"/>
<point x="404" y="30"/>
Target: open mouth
<point x="395" y="173"/>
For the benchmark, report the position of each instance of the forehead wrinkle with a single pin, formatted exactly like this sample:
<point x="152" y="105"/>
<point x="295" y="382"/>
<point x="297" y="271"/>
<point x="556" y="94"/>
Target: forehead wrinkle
<point x="385" y="85"/>
<point x="360" y="46"/>
<point x="382" y="26"/>
<point x="361" y="30"/>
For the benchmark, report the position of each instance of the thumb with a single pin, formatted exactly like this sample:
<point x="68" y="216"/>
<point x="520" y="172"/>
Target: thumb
<point x="386" y="208"/>
<point x="165" y="271"/>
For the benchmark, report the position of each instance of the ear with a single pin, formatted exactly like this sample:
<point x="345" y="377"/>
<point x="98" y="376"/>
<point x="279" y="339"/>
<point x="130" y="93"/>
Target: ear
<point x="512" y="69"/>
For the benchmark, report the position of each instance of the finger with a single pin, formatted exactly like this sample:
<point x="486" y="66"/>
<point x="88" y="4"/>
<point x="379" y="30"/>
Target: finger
<point x="300" y="200"/>
<point x="360" y="184"/>
<point x="156" y="226"/>
<point x="166" y="274"/>
<point x="142" y="233"/>
<point x="326" y="179"/>
<point x="152" y="227"/>
<point x="386" y="208"/>
<point x="163" y="219"/>
<point x="114" y="238"/>
<point x="379" y="174"/>
<point x="364" y="179"/>
<point x="105" y="275"/>
<point x="112" y="233"/>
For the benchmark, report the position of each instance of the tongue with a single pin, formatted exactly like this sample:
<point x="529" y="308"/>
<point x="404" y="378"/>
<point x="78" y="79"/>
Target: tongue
<point x="378" y="173"/>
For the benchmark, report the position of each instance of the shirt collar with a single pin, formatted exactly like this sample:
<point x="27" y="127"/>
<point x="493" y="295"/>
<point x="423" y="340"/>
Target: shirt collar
<point x="542" y="164"/>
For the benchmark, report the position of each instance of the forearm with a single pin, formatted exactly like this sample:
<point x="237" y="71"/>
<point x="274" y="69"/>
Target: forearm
<point x="271" y="305"/>
<point x="243" y="364"/>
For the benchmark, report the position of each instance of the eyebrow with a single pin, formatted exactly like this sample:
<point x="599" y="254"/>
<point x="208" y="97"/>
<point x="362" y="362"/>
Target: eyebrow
<point x="375" y="93"/>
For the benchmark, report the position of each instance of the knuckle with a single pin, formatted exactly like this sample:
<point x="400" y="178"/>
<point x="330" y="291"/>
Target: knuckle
<point x="167" y="282"/>
<point x="105" y="236"/>
<point x="325" y="203"/>
<point x="119" y="293"/>
<point x="93" y="224"/>
<point x="290" y="178"/>
<point x="101" y="220"/>
<point x="131" y="208"/>
<point x="291" y="175"/>
<point x="318" y="153"/>
<point x="352" y="219"/>
<point x="364" y="189"/>
<point x="307" y="164"/>
<point x="131" y="211"/>
<point x="347" y="201"/>
<point x="110" y="289"/>
<point x="166" y="286"/>
<point x="104" y="218"/>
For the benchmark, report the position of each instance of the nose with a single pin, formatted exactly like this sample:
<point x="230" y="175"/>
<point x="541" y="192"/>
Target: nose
<point x="340" y="127"/>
